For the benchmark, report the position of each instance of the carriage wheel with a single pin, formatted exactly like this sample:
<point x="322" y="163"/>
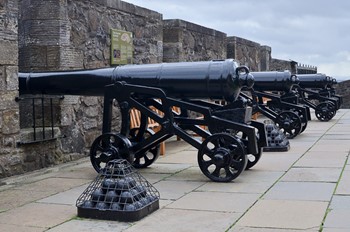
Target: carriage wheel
<point x="253" y="159"/>
<point x="108" y="147"/>
<point x="301" y="116"/>
<point x="222" y="157"/>
<point x="325" y="111"/>
<point x="289" y="123"/>
<point x="144" y="159"/>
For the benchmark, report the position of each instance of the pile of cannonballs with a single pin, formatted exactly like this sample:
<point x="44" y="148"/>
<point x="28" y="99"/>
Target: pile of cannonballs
<point x="118" y="188"/>
<point x="276" y="139"/>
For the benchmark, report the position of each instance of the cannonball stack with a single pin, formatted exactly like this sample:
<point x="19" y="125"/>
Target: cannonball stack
<point x="118" y="193"/>
<point x="276" y="139"/>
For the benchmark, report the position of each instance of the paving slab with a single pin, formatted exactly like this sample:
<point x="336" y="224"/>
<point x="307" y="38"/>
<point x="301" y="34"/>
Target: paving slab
<point x="334" y="230"/>
<point x="335" y="136"/>
<point x="344" y="186"/>
<point x="175" y="146"/>
<point x="285" y="214"/>
<point x="13" y="198"/>
<point x="308" y="191"/>
<point x="340" y="202"/>
<point x="258" y="175"/>
<point x="154" y="177"/>
<point x="236" y="187"/>
<point x="313" y="175"/>
<point x="185" y="156"/>
<point x="307" y="139"/>
<point x="276" y="161"/>
<point x="250" y="181"/>
<point x="53" y="184"/>
<point x="189" y="174"/>
<point x="38" y="215"/>
<point x="179" y="220"/>
<point x="164" y="168"/>
<point x="322" y="160"/>
<point x="78" y="173"/>
<point x="68" y="197"/>
<point x="330" y="147"/>
<point x="91" y="226"/>
<point x="338" y="218"/>
<point x="340" y="129"/>
<point x="216" y="201"/>
<point x="260" y="229"/>
<point x="173" y="190"/>
<point x="20" y="228"/>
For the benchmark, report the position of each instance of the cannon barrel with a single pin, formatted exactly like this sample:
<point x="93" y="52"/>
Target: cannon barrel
<point x="274" y="81"/>
<point x="205" y="79"/>
<point x="315" y="81"/>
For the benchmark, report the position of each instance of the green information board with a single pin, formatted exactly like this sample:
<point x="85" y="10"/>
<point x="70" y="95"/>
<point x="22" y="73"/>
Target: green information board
<point x="121" y="47"/>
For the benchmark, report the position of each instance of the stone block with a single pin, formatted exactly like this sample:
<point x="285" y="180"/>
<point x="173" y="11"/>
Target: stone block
<point x="32" y="57"/>
<point x="2" y="78"/>
<point x="49" y="9"/>
<point x="10" y="122"/>
<point x="53" y="57"/>
<point x="89" y="101"/>
<point x="89" y="123"/>
<point x="11" y="77"/>
<point x="9" y="52"/>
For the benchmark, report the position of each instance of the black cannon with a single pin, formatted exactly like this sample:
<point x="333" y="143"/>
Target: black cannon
<point x="154" y="90"/>
<point x="317" y="92"/>
<point x="268" y="97"/>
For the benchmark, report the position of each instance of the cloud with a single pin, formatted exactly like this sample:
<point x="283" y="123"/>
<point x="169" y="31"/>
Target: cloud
<point x="314" y="32"/>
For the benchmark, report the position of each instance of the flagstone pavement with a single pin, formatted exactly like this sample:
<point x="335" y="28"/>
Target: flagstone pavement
<point x="304" y="189"/>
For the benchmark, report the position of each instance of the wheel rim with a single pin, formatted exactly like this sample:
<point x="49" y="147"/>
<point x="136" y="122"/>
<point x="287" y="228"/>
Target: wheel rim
<point x="253" y="159"/>
<point x="221" y="157"/>
<point x="325" y="111"/>
<point x="144" y="159"/>
<point x="302" y="118"/>
<point x="289" y="123"/>
<point x="108" y="147"/>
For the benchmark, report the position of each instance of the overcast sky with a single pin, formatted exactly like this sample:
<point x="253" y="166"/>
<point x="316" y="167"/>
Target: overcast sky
<point x="314" y="32"/>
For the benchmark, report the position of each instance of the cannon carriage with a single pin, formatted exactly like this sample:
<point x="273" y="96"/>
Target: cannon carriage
<point x="317" y="92"/>
<point x="229" y="141"/>
<point x="268" y="97"/>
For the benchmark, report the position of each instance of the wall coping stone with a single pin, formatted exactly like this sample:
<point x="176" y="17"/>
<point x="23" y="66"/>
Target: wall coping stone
<point x="178" y="23"/>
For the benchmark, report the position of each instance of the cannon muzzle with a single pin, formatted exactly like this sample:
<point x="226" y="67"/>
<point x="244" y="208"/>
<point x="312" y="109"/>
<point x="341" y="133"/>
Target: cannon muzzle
<point x="274" y="81"/>
<point x="316" y="81"/>
<point x="215" y="79"/>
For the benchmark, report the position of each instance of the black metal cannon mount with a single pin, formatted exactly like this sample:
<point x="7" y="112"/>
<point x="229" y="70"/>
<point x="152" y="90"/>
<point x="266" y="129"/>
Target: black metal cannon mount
<point x="230" y="142"/>
<point x="267" y="97"/>
<point x="317" y="92"/>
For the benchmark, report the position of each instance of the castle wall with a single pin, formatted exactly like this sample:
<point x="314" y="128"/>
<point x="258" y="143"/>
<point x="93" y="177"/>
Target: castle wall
<point x="65" y="35"/>
<point x="38" y="35"/>
<point x="11" y="157"/>
<point x="186" y="41"/>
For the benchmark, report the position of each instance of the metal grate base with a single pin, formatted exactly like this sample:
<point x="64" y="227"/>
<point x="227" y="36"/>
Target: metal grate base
<point x="276" y="139"/>
<point x="118" y="193"/>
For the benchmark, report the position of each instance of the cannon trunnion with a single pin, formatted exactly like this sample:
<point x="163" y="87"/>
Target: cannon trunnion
<point x="229" y="142"/>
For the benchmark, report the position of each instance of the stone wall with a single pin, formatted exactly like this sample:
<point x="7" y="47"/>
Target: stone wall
<point x="185" y="41"/>
<point x="10" y="156"/>
<point x="279" y="65"/>
<point x="60" y="35"/>
<point x="249" y="53"/>
<point x="343" y="89"/>
<point x="67" y="34"/>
